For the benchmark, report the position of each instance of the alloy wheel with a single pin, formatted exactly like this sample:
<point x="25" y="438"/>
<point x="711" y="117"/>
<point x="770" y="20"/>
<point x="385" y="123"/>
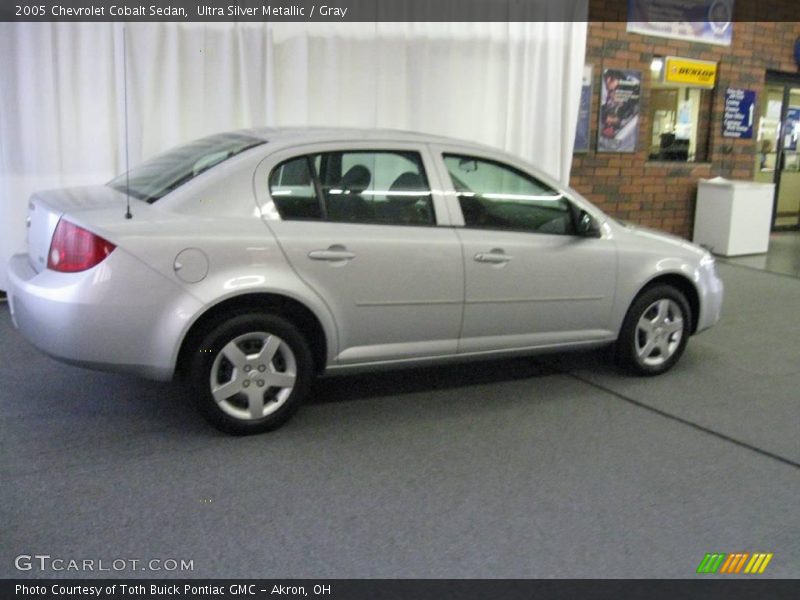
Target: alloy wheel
<point x="659" y="332"/>
<point x="253" y="375"/>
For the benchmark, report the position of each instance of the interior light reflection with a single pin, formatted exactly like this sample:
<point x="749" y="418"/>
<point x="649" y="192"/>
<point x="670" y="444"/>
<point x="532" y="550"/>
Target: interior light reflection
<point x="550" y="198"/>
<point x="244" y="281"/>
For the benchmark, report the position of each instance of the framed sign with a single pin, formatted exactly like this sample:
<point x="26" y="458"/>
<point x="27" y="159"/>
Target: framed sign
<point x="620" y="94"/>
<point x="687" y="71"/>
<point x="737" y="120"/>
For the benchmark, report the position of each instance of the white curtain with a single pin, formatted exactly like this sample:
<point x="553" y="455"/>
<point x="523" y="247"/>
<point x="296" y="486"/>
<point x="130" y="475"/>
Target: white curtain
<point x="515" y="86"/>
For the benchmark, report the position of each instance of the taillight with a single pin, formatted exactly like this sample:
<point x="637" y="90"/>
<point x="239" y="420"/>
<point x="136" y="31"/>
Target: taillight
<point x="75" y="249"/>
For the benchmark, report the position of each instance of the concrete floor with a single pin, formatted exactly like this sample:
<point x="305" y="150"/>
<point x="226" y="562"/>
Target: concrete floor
<point x="556" y="467"/>
<point x="783" y="256"/>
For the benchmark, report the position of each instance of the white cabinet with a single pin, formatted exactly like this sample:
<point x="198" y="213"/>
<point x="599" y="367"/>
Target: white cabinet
<point x="733" y="217"/>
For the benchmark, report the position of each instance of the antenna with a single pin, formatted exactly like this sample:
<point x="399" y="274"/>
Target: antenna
<point x="128" y="214"/>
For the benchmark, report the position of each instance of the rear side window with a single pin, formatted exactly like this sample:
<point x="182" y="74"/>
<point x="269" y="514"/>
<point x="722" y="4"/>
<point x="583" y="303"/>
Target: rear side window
<point x="380" y="187"/>
<point x="493" y="195"/>
<point x="292" y="187"/>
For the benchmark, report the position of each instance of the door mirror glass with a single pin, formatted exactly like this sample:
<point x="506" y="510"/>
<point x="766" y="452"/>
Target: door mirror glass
<point x="586" y="225"/>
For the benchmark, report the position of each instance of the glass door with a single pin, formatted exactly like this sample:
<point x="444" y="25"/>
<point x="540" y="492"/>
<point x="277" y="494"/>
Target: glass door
<point x="787" y="213"/>
<point x="778" y="156"/>
<point x="769" y="125"/>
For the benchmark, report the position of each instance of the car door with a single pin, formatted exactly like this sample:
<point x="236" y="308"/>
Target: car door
<point x="362" y="227"/>
<point x="531" y="281"/>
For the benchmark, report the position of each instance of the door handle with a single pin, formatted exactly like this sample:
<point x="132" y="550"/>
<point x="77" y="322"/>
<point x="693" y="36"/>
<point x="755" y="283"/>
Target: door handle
<point x="495" y="256"/>
<point x="332" y="254"/>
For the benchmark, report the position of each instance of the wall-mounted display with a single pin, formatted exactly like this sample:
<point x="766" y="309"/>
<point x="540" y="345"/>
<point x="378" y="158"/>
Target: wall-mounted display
<point x="737" y="120"/>
<point x="707" y="21"/>
<point x="620" y="95"/>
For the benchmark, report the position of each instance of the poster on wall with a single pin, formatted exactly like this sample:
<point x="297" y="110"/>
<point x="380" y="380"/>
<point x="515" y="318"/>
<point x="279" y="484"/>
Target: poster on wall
<point x="737" y="120"/>
<point x="618" y="127"/>
<point x="791" y="129"/>
<point x="584" y="112"/>
<point x="705" y="21"/>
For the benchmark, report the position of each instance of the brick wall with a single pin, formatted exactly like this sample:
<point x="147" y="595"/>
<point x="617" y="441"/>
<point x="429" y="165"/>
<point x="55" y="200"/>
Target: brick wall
<point x="661" y="194"/>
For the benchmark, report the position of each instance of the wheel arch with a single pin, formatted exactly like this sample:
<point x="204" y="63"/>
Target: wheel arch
<point x="301" y="316"/>
<point x="683" y="284"/>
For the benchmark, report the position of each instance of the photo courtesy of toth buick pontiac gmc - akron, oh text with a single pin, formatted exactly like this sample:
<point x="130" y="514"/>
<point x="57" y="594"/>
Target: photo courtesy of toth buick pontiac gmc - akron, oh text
<point x="258" y="260"/>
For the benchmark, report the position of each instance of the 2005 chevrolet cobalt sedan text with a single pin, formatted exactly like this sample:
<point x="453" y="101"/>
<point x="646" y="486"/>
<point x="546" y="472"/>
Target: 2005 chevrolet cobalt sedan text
<point x="258" y="259"/>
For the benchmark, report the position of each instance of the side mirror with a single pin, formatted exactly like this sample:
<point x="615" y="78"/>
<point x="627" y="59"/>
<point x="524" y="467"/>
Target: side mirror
<point x="586" y="225"/>
<point x="468" y="165"/>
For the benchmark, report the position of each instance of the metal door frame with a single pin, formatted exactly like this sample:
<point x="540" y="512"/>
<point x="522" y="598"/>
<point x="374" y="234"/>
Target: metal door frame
<point x="787" y="81"/>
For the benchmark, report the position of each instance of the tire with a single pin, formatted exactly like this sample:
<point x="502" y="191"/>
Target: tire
<point x="655" y="331"/>
<point x="230" y="374"/>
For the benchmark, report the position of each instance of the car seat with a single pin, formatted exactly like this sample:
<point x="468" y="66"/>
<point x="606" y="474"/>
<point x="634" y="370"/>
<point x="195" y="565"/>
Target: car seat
<point x="349" y="205"/>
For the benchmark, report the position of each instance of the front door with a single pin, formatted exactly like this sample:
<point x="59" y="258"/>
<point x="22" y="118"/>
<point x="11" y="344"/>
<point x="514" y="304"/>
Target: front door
<point x="530" y="280"/>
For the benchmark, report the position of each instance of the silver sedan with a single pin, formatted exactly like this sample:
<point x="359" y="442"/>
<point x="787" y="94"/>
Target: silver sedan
<point x="250" y="262"/>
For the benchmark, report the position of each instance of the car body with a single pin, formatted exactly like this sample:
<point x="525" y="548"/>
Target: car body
<point x="343" y="250"/>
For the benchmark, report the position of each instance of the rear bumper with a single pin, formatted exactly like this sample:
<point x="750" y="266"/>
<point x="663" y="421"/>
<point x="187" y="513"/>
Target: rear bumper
<point x="118" y="316"/>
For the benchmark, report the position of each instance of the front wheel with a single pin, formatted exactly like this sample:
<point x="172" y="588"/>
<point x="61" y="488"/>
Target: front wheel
<point x="655" y="331"/>
<point x="251" y="373"/>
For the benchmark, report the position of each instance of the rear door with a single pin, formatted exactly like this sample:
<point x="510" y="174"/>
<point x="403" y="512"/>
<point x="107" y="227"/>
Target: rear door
<point x="530" y="280"/>
<point x="361" y="225"/>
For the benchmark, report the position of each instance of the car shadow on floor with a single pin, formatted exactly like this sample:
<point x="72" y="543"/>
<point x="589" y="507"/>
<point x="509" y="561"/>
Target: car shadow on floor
<point x="363" y="386"/>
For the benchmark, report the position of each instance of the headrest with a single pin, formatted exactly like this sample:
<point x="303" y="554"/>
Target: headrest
<point x="357" y="179"/>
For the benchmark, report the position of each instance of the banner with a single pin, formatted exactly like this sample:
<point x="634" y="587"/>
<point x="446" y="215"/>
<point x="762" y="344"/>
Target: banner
<point x="584" y="112"/>
<point x="707" y="21"/>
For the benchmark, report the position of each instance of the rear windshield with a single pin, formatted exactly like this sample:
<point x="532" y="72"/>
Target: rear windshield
<point x="158" y="176"/>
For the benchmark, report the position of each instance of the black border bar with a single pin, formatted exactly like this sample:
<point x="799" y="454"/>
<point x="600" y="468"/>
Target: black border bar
<point x="713" y="588"/>
<point x="323" y="11"/>
<point x="254" y="11"/>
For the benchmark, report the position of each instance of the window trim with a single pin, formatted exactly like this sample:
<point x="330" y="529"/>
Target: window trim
<point x="312" y="169"/>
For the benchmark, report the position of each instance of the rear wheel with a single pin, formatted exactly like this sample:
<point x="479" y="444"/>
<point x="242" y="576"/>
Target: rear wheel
<point x="655" y="331"/>
<point x="251" y="373"/>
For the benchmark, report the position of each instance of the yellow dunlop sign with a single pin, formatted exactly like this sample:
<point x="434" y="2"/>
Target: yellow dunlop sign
<point x="698" y="73"/>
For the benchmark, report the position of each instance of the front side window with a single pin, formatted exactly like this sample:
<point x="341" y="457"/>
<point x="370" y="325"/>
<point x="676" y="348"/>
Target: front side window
<point x="497" y="196"/>
<point x="381" y="187"/>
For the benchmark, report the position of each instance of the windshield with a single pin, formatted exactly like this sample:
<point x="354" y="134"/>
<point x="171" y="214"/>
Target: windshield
<point x="158" y="176"/>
